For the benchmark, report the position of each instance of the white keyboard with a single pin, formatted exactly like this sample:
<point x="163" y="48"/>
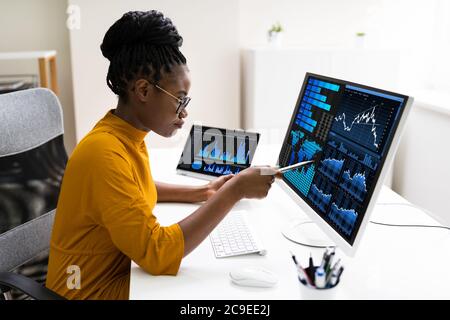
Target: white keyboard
<point x="234" y="236"/>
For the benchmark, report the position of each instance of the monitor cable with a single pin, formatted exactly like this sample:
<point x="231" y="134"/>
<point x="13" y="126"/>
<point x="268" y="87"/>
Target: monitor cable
<point x="407" y="225"/>
<point x="377" y="223"/>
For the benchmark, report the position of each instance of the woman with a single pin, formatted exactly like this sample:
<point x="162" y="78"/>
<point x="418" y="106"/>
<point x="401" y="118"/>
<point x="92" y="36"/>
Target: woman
<point x="104" y="216"/>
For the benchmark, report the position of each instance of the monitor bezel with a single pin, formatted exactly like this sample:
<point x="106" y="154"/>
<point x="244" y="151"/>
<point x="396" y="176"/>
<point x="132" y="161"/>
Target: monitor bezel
<point x="204" y="175"/>
<point x="344" y="245"/>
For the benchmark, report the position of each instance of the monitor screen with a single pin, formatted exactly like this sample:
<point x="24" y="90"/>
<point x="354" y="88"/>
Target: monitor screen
<point x="347" y="129"/>
<point x="217" y="151"/>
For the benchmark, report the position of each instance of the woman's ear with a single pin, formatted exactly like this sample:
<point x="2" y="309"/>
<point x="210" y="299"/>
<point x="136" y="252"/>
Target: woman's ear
<point x="143" y="90"/>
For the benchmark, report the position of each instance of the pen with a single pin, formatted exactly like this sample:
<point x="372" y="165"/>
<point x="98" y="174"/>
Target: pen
<point x="294" y="166"/>
<point x="324" y="258"/>
<point x="333" y="280"/>
<point x="301" y="272"/>
<point x="341" y="269"/>
<point x="311" y="268"/>
<point x="294" y="258"/>
<point x="333" y="274"/>
<point x="329" y="260"/>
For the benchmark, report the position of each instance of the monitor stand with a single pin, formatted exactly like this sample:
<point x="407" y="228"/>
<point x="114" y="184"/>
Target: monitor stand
<point x="307" y="233"/>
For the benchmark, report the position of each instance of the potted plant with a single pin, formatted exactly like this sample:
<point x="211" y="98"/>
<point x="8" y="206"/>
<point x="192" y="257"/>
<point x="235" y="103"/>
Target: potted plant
<point x="275" y="34"/>
<point x="359" y="41"/>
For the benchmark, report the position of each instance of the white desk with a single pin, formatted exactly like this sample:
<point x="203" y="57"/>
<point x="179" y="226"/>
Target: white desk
<point x="391" y="263"/>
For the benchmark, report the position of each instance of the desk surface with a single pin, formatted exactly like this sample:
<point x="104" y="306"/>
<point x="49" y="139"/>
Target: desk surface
<point x="391" y="262"/>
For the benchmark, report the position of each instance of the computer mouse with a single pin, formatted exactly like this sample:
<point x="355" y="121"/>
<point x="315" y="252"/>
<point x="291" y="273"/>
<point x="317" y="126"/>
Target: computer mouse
<point x="253" y="277"/>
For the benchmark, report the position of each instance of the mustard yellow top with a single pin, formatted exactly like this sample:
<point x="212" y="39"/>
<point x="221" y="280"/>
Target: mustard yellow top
<point x="104" y="217"/>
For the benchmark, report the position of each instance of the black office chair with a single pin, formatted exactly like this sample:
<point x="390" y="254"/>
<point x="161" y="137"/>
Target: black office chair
<point x="32" y="163"/>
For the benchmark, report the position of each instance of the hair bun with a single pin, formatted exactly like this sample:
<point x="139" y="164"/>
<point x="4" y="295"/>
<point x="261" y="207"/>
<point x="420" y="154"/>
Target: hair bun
<point x="140" y="27"/>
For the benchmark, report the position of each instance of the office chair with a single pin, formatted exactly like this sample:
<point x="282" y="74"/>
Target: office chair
<point x="32" y="163"/>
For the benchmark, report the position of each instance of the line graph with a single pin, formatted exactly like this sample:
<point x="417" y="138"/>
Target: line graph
<point x="321" y="192"/>
<point x="366" y="117"/>
<point x="331" y="165"/>
<point x="344" y="218"/>
<point x="319" y="198"/>
<point x="344" y="213"/>
<point x="355" y="179"/>
<point x="331" y="168"/>
<point x="365" y="157"/>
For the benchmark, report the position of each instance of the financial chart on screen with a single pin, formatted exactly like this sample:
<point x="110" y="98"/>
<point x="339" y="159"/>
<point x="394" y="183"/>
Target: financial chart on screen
<point x="217" y="151"/>
<point x="347" y="129"/>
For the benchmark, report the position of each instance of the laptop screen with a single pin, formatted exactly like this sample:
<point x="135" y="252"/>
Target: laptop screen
<point x="216" y="151"/>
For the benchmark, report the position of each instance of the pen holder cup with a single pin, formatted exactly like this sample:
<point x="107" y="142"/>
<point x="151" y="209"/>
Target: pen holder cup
<point x="312" y="292"/>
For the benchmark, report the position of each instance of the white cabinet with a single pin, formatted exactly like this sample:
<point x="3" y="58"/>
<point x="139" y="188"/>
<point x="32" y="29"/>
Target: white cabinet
<point x="422" y="170"/>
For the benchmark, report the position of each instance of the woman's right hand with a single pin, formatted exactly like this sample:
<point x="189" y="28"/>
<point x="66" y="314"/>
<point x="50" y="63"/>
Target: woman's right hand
<point x="254" y="182"/>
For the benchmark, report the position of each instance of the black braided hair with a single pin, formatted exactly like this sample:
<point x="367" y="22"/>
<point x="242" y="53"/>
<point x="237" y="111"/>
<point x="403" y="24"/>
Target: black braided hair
<point x="140" y="43"/>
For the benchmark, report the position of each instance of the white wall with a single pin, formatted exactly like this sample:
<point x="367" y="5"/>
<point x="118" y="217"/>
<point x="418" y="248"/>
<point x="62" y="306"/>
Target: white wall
<point x="313" y="23"/>
<point x="419" y="29"/>
<point x="211" y="46"/>
<point x="29" y="25"/>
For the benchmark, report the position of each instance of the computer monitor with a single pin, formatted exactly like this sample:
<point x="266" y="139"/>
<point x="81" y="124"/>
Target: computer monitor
<point x="211" y="152"/>
<point x="352" y="132"/>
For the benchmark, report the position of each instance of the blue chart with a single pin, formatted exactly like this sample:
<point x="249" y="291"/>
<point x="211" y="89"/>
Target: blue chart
<point x="301" y="179"/>
<point x="308" y="150"/>
<point x="343" y="213"/>
<point x="314" y="98"/>
<point x="354" y="181"/>
<point x="221" y="169"/>
<point x="331" y="168"/>
<point x="216" y="154"/>
<point x="344" y="218"/>
<point x="241" y="156"/>
<point x="367" y="158"/>
<point x="331" y="165"/>
<point x="296" y="136"/>
<point x="364" y="118"/>
<point x="320" y="193"/>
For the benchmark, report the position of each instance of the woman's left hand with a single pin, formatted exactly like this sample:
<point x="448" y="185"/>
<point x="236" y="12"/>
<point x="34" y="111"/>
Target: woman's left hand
<point x="216" y="184"/>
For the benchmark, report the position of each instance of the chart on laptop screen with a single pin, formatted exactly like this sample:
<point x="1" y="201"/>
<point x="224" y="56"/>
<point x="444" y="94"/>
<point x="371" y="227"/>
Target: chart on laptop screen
<point x="218" y="151"/>
<point x="347" y="129"/>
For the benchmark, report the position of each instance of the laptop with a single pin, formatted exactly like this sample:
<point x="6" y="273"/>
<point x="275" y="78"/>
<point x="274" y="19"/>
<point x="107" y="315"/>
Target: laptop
<point x="211" y="152"/>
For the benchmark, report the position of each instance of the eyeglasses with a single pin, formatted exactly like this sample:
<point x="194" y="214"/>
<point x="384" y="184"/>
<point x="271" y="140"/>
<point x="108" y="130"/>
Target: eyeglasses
<point x="182" y="103"/>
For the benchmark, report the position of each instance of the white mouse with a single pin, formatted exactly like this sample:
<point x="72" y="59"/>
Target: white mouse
<point x="254" y="277"/>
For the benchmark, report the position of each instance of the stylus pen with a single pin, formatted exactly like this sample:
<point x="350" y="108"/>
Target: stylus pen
<point x="294" y="166"/>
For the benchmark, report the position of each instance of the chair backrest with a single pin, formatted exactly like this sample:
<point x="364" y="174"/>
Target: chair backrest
<point x="32" y="163"/>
